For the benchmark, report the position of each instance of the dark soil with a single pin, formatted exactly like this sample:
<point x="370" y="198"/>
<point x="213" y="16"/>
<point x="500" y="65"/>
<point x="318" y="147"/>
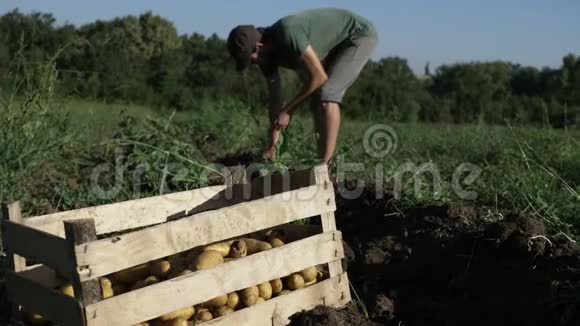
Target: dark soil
<point x="452" y="265"/>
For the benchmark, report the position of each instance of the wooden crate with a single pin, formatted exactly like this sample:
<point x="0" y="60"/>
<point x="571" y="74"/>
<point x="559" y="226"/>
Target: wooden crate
<point x="66" y="246"/>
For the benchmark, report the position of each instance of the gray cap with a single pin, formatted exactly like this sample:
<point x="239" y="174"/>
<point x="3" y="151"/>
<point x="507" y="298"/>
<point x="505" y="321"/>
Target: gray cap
<point x="242" y="43"/>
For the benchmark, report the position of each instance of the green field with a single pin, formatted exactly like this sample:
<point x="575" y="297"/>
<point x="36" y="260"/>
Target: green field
<point x="53" y="148"/>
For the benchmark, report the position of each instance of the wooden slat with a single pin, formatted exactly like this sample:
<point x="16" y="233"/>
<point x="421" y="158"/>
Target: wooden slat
<point x="327" y="218"/>
<point x="333" y="292"/>
<point x="260" y="187"/>
<point x="126" y="215"/>
<point x="39" y="246"/>
<point x="150" y="302"/>
<point x="44" y="276"/>
<point x="55" y="306"/>
<point x="110" y="255"/>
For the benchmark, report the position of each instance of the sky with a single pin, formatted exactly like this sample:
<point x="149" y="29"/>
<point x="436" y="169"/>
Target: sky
<point x="530" y="32"/>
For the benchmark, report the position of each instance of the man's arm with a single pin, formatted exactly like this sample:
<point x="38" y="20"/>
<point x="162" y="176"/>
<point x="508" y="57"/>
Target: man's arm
<point x="317" y="78"/>
<point x="274" y="107"/>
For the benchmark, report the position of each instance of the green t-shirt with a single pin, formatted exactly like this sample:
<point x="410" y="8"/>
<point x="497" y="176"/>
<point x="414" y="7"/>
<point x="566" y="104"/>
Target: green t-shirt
<point x="323" y="29"/>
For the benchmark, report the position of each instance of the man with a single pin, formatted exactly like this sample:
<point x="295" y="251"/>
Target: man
<point x="329" y="47"/>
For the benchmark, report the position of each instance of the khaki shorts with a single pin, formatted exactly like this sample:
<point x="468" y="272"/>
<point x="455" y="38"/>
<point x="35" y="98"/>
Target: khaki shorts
<point x="343" y="66"/>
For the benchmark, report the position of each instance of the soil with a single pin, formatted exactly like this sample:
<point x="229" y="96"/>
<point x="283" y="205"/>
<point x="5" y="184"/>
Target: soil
<point x="451" y="265"/>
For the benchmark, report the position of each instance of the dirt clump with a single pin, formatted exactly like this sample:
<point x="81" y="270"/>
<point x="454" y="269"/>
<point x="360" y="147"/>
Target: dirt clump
<point x="451" y="265"/>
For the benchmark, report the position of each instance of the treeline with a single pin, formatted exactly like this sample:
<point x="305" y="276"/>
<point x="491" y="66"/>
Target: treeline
<point x="142" y="59"/>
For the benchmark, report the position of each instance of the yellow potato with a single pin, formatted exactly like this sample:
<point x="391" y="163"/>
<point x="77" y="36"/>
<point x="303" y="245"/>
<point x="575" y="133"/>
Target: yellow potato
<point x="184" y="313"/>
<point x="184" y="272"/>
<point x="238" y="249"/>
<point x="106" y="287"/>
<point x="233" y="300"/>
<point x="35" y="319"/>
<point x="138" y="285"/>
<point x="68" y="289"/>
<point x="222" y="247"/>
<point x="160" y="268"/>
<point x="255" y="246"/>
<point x="265" y="290"/>
<point x="216" y="302"/>
<point x="277" y="286"/>
<point x="179" y="321"/>
<point x="295" y="282"/>
<point x="276" y="234"/>
<point x="260" y="300"/>
<point x="222" y="311"/>
<point x="151" y="280"/>
<point x="284" y="292"/>
<point x="249" y="296"/>
<point x="146" y="282"/>
<point x="204" y="315"/>
<point x="275" y="243"/>
<point x="131" y="275"/>
<point x="309" y="274"/>
<point x="207" y="259"/>
<point x="310" y="283"/>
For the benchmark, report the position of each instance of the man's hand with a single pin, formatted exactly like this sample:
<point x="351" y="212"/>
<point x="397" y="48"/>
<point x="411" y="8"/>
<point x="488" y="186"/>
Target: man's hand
<point x="283" y="120"/>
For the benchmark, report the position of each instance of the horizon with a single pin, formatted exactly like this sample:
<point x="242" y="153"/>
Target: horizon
<point x="535" y="34"/>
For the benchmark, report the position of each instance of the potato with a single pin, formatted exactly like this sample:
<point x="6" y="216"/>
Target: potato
<point x="249" y="296"/>
<point x="238" y="249"/>
<point x="151" y="280"/>
<point x="275" y="243"/>
<point x="184" y="272"/>
<point x="309" y="274"/>
<point x="295" y="282"/>
<point x="233" y="300"/>
<point x="310" y="283"/>
<point x="160" y="268"/>
<point x="190" y="256"/>
<point x="138" y="285"/>
<point x="216" y="302"/>
<point x="284" y="292"/>
<point x="184" y="313"/>
<point x="255" y="246"/>
<point x="131" y="275"/>
<point x="207" y="259"/>
<point x="68" y="290"/>
<point x="106" y="287"/>
<point x="222" y="247"/>
<point x="179" y="321"/>
<point x="204" y="315"/>
<point x="265" y="290"/>
<point x="276" y="234"/>
<point x="146" y="282"/>
<point x="260" y="300"/>
<point x="319" y="275"/>
<point x="277" y="286"/>
<point x="35" y="319"/>
<point x="222" y="311"/>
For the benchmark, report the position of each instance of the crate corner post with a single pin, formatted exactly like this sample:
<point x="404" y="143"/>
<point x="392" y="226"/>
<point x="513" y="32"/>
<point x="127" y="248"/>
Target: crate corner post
<point x="322" y="177"/>
<point x="15" y="263"/>
<point x="79" y="232"/>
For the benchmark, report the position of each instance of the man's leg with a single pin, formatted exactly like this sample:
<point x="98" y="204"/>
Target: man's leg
<point x="317" y="119"/>
<point x="343" y="69"/>
<point x="329" y="131"/>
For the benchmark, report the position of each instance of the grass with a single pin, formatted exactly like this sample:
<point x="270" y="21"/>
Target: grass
<point x="531" y="171"/>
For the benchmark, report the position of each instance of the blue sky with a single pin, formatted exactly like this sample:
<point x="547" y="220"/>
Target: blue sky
<point x="531" y="32"/>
